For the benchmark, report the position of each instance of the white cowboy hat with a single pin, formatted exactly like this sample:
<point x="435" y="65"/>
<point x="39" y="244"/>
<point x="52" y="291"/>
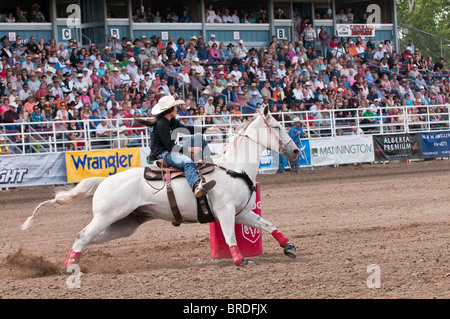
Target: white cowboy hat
<point x="295" y="120"/>
<point x="165" y="103"/>
<point x="122" y="129"/>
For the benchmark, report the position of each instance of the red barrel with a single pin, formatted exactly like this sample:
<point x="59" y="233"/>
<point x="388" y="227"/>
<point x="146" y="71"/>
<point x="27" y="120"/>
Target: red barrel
<point x="249" y="240"/>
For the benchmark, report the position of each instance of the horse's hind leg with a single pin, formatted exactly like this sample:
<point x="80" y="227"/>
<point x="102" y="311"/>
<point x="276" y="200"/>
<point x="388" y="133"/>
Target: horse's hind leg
<point x="103" y="219"/>
<point x="121" y="228"/>
<point x="251" y="219"/>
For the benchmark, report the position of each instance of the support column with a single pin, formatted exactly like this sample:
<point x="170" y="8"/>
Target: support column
<point x="394" y="17"/>
<point x="130" y="20"/>
<point x="333" y="15"/>
<point x="271" y="13"/>
<point x="53" y="18"/>
<point x="202" y="19"/>
<point x="105" y="27"/>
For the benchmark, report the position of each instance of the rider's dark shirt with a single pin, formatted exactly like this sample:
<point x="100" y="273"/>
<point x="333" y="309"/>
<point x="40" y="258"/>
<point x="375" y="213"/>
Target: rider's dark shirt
<point x="161" y="138"/>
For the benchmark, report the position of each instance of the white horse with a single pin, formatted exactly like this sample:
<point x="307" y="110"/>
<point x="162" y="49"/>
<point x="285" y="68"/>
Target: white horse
<point x="122" y="202"/>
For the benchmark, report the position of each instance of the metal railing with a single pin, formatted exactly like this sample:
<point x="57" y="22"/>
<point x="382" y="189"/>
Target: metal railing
<point x="54" y="136"/>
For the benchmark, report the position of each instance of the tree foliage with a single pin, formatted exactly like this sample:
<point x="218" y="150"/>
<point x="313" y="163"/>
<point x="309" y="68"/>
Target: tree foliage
<point x="431" y="16"/>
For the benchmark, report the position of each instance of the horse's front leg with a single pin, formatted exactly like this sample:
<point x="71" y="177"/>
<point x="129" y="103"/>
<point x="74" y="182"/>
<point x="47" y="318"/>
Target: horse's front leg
<point x="226" y="217"/>
<point x="250" y="219"/>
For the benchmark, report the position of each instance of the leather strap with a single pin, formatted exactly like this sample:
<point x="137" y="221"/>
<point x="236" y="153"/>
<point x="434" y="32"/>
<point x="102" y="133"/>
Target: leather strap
<point x="172" y="201"/>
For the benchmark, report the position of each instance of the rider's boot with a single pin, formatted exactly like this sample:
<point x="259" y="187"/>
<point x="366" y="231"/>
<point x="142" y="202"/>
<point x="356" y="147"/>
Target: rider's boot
<point x="202" y="188"/>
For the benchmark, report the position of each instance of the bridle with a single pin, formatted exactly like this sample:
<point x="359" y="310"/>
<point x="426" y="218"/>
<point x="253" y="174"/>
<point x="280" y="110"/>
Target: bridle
<point x="271" y="132"/>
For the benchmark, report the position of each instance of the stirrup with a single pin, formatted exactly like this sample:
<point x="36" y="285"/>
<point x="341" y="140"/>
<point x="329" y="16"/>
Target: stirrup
<point x="204" y="188"/>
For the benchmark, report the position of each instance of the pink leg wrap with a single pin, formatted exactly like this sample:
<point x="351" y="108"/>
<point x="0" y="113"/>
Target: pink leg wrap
<point x="280" y="237"/>
<point x="72" y="258"/>
<point x="236" y="254"/>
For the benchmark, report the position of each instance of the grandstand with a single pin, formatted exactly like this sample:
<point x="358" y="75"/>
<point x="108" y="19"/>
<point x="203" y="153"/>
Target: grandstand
<point x="76" y="76"/>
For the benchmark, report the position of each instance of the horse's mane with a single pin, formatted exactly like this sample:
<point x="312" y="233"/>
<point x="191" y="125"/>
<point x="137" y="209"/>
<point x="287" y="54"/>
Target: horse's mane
<point x="245" y="177"/>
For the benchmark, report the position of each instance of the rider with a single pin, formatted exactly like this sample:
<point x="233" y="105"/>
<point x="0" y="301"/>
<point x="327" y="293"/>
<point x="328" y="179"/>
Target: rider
<point x="162" y="143"/>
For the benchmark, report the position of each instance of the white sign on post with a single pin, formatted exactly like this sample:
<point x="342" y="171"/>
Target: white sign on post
<point x="280" y="34"/>
<point x="236" y="35"/>
<point x="115" y="32"/>
<point x="66" y="34"/>
<point x="12" y="36"/>
<point x="165" y="35"/>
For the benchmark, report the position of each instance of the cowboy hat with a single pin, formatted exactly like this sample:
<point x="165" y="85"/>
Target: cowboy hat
<point x="165" y="103"/>
<point x="122" y="129"/>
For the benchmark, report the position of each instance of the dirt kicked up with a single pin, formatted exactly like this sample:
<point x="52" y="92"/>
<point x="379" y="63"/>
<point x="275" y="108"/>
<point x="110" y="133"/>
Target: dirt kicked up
<point x="370" y="231"/>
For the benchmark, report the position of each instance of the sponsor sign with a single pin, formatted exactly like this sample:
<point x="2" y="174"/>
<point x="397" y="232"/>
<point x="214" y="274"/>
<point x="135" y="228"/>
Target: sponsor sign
<point x="305" y="153"/>
<point x="81" y="165"/>
<point x="354" y="30"/>
<point x="397" y="147"/>
<point x="342" y="150"/>
<point x="32" y="170"/>
<point x="248" y="239"/>
<point x="268" y="163"/>
<point x="304" y="157"/>
<point x="435" y="144"/>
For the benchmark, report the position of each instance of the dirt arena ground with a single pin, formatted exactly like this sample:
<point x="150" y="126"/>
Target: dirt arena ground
<point x="342" y="220"/>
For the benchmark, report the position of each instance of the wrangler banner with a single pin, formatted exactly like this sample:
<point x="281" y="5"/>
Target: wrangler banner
<point x="81" y="165"/>
<point x="397" y="147"/>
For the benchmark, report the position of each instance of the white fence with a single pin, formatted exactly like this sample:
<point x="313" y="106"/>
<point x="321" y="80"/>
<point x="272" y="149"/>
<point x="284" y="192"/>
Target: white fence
<point x="57" y="136"/>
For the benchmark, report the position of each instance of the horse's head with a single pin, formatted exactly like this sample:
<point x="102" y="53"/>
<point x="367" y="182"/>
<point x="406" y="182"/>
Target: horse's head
<point x="273" y="136"/>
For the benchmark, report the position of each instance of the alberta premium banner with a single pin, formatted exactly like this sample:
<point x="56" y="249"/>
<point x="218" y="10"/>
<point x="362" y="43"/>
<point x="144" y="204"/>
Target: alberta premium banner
<point x="397" y="147"/>
<point x="342" y="150"/>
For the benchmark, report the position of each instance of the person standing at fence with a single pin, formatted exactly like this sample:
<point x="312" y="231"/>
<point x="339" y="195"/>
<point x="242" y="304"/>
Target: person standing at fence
<point x="309" y="36"/>
<point x="296" y="133"/>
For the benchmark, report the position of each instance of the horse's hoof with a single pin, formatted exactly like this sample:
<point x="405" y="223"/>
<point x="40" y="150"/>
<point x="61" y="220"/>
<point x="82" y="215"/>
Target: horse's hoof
<point x="247" y="262"/>
<point x="290" y="251"/>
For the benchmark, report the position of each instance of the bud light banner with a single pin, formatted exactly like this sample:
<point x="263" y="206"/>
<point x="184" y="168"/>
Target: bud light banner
<point x="32" y="170"/>
<point x="268" y="163"/>
<point x="397" y="147"/>
<point x="435" y="144"/>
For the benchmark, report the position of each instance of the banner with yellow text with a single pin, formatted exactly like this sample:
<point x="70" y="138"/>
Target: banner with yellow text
<point x="81" y="165"/>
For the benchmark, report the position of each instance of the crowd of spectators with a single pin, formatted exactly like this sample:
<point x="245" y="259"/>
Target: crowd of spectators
<point x="43" y="81"/>
<point x="33" y="14"/>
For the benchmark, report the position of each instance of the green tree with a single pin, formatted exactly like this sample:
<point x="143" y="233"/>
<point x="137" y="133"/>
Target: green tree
<point x="431" y="16"/>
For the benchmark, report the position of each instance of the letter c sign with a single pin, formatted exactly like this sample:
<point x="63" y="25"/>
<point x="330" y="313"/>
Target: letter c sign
<point x="66" y="34"/>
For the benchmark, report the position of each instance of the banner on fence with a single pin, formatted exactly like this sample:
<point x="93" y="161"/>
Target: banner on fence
<point x="397" y="147"/>
<point x="81" y="165"/>
<point x="32" y="170"/>
<point x="342" y="150"/>
<point x="355" y="30"/>
<point x="268" y="163"/>
<point x="435" y="144"/>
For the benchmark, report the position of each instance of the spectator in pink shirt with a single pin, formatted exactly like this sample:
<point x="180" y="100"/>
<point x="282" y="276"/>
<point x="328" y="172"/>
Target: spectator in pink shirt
<point x="214" y="55"/>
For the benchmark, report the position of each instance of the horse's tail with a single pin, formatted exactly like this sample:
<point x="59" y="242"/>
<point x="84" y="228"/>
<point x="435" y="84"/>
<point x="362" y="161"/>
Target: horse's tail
<point x="85" y="188"/>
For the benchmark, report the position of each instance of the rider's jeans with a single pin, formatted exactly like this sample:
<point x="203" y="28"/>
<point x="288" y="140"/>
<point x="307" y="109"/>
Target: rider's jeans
<point x="184" y="162"/>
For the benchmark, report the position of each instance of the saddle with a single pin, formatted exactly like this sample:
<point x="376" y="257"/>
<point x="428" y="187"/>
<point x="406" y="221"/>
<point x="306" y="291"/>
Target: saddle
<point x="166" y="173"/>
